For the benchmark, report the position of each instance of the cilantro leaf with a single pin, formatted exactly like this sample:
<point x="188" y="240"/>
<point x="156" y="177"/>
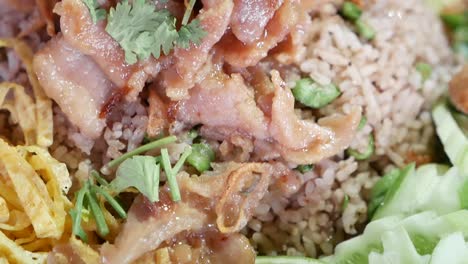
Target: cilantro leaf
<point x="164" y="37"/>
<point x="94" y="10"/>
<point x="191" y="32"/>
<point x="141" y="30"/>
<point x="140" y="172"/>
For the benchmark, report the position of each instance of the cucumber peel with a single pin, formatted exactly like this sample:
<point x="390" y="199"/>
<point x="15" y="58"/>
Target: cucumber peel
<point x="452" y="136"/>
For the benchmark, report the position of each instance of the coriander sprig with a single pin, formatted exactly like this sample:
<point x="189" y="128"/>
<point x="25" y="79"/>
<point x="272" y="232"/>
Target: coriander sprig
<point x="172" y="172"/>
<point x="88" y="199"/>
<point x="94" y="10"/>
<point x="142" y="31"/>
<point x="143" y="173"/>
<point x="142" y="149"/>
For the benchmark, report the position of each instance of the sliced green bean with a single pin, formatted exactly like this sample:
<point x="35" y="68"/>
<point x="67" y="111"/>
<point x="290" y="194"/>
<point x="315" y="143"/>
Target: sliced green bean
<point x="364" y="155"/>
<point x="350" y="11"/>
<point x="314" y="95"/>
<point x="424" y="69"/>
<point x="366" y="31"/>
<point x="305" y="168"/>
<point x="201" y="157"/>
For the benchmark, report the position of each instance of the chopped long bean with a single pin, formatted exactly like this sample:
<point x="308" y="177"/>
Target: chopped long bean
<point x="350" y="11"/>
<point x="365" y="30"/>
<point x="314" y="95"/>
<point x="366" y="154"/>
<point x="201" y="157"/>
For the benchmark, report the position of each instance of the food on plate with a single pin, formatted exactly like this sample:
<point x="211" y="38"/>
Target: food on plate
<point x="233" y="131"/>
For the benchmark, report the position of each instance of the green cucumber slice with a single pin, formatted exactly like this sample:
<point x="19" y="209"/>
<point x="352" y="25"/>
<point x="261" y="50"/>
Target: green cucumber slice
<point x="452" y="136"/>
<point x="430" y="187"/>
<point x="389" y="238"/>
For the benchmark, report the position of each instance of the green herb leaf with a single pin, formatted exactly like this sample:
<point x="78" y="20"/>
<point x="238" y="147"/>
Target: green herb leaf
<point x="140" y="172"/>
<point x="142" y="31"/>
<point x="94" y="10"/>
<point x="192" y="32"/>
<point x="424" y="69"/>
<point x="314" y="95"/>
<point x="201" y="157"/>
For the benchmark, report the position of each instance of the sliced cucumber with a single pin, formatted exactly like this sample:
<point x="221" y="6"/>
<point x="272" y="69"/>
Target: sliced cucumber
<point x="430" y="187"/>
<point x="451" y="249"/>
<point x="393" y="191"/>
<point x="388" y="239"/>
<point x="452" y="136"/>
<point x="398" y="248"/>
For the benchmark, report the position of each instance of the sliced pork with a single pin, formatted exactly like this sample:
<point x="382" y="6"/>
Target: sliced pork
<point x="240" y="54"/>
<point x="221" y="101"/>
<point x="250" y="17"/>
<point x="91" y="39"/>
<point x="148" y="225"/>
<point x="80" y="96"/>
<point x="16" y="5"/>
<point x="224" y="199"/>
<point x="214" y="18"/>
<point x="304" y="141"/>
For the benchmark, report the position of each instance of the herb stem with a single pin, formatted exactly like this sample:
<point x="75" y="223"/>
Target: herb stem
<point x="77" y="230"/>
<point x="141" y="149"/>
<point x="181" y="160"/>
<point x="156" y="177"/>
<point x="171" y="178"/>
<point x="99" y="178"/>
<point x="188" y="12"/>
<point x="101" y="224"/>
<point x="117" y="207"/>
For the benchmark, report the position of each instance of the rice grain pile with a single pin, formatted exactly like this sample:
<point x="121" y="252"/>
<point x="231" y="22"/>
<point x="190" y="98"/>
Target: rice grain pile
<point x="379" y="76"/>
